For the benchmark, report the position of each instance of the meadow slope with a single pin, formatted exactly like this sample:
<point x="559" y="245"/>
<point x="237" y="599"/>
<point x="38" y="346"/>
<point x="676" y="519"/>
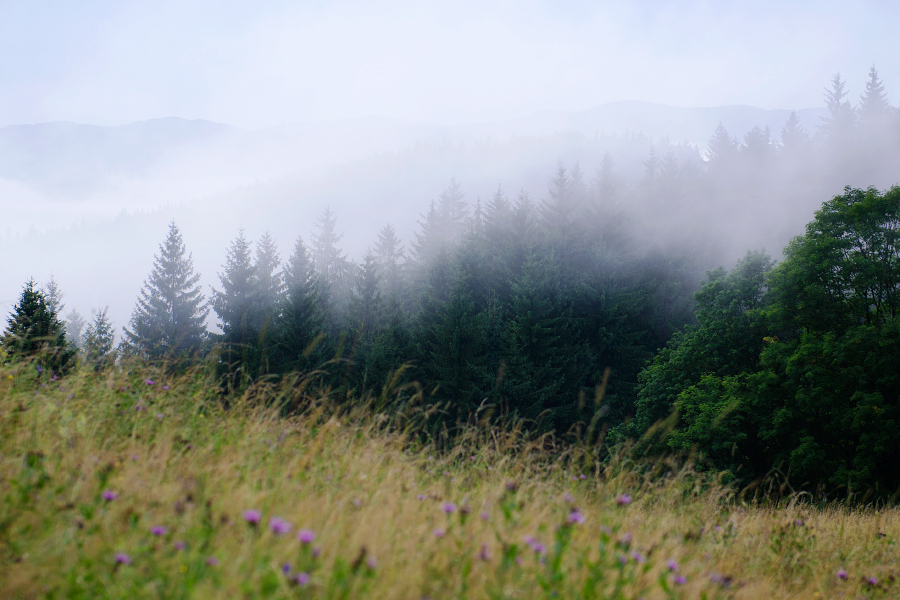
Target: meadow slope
<point x="128" y="484"/>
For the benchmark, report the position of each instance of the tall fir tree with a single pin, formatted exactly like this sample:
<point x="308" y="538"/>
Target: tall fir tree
<point x="234" y="305"/>
<point x="299" y="335"/>
<point x="873" y="104"/>
<point x="74" y="324"/>
<point x="389" y="253"/>
<point x="838" y="126"/>
<point x="794" y="138"/>
<point x="168" y="320"/>
<point x="54" y="296"/>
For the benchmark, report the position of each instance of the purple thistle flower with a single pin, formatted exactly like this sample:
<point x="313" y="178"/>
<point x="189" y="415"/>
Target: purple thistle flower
<point x="371" y="562"/>
<point x="842" y="575"/>
<point x="539" y="548"/>
<point x="421" y="497"/>
<point x="53" y="377"/>
<point x="286" y="568"/>
<point x="306" y="536"/>
<point x="575" y="517"/>
<point x="109" y="495"/>
<point x="680" y="579"/>
<point x="471" y="458"/>
<point x="302" y="578"/>
<point x="123" y="559"/>
<point x="179" y="545"/>
<point x="623" y="559"/>
<point x="623" y="499"/>
<point x="484" y="554"/>
<point x="252" y="517"/>
<point x="872" y="580"/>
<point x="158" y="530"/>
<point x="448" y="507"/>
<point x="638" y="557"/>
<point x="279" y="526"/>
<point x="485" y="515"/>
<point x="165" y="387"/>
<point x="39" y="368"/>
<point x="149" y="382"/>
<point x="159" y="416"/>
<point x="672" y="565"/>
<point x="212" y="561"/>
<point x="134" y="457"/>
<point x="439" y="533"/>
<point x="568" y="497"/>
<point x="583" y="476"/>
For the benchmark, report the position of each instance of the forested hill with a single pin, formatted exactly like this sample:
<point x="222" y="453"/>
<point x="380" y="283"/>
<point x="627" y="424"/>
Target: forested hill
<point x="542" y="311"/>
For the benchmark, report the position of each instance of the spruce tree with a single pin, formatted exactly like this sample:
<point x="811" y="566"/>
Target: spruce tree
<point x="54" y="296"/>
<point x="838" y="125"/>
<point x="99" y="338"/>
<point x="873" y="105"/>
<point x="74" y="325"/>
<point x="234" y="305"/>
<point x="389" y="252"/>
<point x="168" y="320"/>
<point x="721" y="150"/>
<point x="34" y="330"/>
<point x="301" y="323"/>
<point x="794" y="139"/>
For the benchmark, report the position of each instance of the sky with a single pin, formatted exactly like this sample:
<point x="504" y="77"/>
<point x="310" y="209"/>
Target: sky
<point x="264" y="63"/>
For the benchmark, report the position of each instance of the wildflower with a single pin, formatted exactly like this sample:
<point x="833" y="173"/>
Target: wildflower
<point x="872" y="580"/>
<point x="623" y="559"/>
<point x="448" y="507"/>
<point x="680" y="579"/>
<point x="672" y="565"/>
<point x="109" y="495"/>
<point x="279" y="526"/>
<point x="484" y="554"/>
<point x="302" y="578"/>
<point x="149" y="382"/>
<point x="286" y="568"/>
<point x="53" y="377"/>
<point x="159" y="416"/>
<point x="582" y="476"/>
<point x="252" y="517"/>
<point x="123" y="559"/>
<point x="371" y="562"/>
<point x="439" y="533"/>
<point x="212" y="561"/>
<point x="134" y="457"/>
<point x="39" y="368"/>
<point x="165" y="387"/>
<point x="471" y="458"/>
<point x="623" y="499"/>
<point x="306" y="536"/>
<point x="357" y="503"/>
<point x="179" y="545"/>
<point x="842" y="575"/>
<point x="485" y="515"/>
<point x="575" y="517"/>
<point x="511" y="486"/>
<point x="421" y="496"/>
<point x="158" y="530"/>
<point x="569" y="498"/>
<point x="539" y="548"/>
<point x="798" y="523"/>
<point x="638" y="558"/>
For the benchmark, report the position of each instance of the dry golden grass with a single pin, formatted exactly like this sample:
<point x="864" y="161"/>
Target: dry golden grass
<point x="375" y="501"/>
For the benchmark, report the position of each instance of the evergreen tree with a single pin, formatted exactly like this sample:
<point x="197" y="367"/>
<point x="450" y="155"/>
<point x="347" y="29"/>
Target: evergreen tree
<point x="794" y="139"/>
<point x="74" y="325"/>
<point x="430" y="240"/>
<point x="388" y="254"/>
<point x="365" y="306"/>
<point x="54" y="296"/>
<point x="234" y="304"/>
<point x="34" y="330"/>
<point x="299" y="341"/>
<point x="99" y="338"/>
<point x="873" y="104"/>
<point x="453" y="212"/>
<point x="838" y="125"/>
<point x="559" y="212"/>
<point x="332" y="265"/>
<point x="757" y="148"/>
<point x="168" y="320"/>
<point x="721" y="151"/>
<point x="268" y="295"/>
<point x="651" y="168"/>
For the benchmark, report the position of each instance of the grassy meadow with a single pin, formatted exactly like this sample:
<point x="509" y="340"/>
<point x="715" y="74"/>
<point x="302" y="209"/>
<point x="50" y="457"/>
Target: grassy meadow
<point x="128" y="484"/>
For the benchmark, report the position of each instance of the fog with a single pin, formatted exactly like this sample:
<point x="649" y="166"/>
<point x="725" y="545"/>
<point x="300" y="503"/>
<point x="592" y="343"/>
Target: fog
<point x="118" y="117"/>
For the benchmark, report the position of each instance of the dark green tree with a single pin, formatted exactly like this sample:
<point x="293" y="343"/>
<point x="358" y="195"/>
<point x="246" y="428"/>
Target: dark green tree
<point x="33" y="330"/>
<point x="168" y="320"/>
<point x="99" y="337"/>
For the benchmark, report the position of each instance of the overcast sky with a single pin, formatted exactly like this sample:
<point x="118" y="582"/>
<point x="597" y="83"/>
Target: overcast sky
<point x="255" y="64"/>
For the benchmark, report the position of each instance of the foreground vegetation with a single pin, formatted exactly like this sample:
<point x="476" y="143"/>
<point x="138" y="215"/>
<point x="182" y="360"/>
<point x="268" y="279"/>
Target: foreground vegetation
<point x="124" y="483"/>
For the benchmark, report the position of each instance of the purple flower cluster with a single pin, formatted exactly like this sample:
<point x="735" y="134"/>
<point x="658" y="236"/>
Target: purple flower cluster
<point x="623" y="499"/>
<point x="279" y="526"/>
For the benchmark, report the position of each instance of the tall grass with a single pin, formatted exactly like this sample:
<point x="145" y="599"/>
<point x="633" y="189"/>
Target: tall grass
<point x="127" y="484"/>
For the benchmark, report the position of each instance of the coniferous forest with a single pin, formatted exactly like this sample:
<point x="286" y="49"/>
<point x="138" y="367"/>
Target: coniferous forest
<point x="599" y="312"/>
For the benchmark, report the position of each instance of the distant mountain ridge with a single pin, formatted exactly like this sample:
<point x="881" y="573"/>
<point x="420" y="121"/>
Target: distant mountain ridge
<point x="75" y="161"/>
